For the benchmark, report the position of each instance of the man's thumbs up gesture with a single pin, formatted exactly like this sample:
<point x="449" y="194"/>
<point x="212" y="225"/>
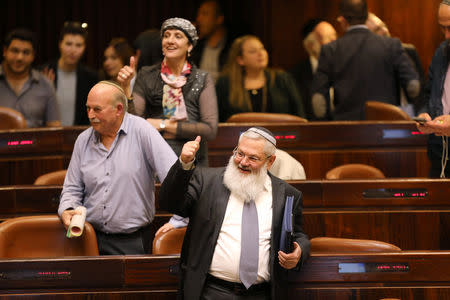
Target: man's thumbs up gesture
<point x="189" y="150"/>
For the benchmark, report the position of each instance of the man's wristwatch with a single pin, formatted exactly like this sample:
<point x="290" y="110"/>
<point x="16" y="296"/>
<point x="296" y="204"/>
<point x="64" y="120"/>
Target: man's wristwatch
<point x="162" y="125"/>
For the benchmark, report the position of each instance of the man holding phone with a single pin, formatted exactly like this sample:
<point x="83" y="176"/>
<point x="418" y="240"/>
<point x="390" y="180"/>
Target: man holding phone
<point x="438" y="97"/>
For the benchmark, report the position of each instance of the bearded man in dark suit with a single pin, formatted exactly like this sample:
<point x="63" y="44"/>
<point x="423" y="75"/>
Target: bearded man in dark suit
<point x="213" y="256"/>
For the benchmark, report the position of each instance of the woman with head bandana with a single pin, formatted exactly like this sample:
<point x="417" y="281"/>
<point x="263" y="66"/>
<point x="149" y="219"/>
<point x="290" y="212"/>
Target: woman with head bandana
<point x="177" y="98"/>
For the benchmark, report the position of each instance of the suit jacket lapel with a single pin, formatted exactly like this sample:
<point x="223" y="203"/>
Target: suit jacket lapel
<point x="221" y="195"/>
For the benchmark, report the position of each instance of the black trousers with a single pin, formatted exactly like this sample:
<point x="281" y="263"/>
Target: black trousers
<point x="138" y="242"/>
<point x="217" y="289"/>
<point x="436" y="167"/>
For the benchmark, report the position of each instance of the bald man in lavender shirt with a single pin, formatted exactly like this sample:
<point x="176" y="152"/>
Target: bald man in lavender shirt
<point x="112" y="173"/>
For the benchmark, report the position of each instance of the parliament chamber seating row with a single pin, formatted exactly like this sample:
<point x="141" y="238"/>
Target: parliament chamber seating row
<point x="403" y="212"/>
<point x="399" y="275"/>
<point x="396" y="148"/>
<point x="410" y="213"/>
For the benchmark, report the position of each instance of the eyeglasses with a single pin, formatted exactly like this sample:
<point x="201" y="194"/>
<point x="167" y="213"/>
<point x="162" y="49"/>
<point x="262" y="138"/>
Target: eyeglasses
<point x="444" y="28"/>
<point x="252" y="158"/>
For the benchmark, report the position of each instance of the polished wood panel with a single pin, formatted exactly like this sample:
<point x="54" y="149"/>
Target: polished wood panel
<point x="427" y="276"/>
<point x="407" y="229"/>
<point x="317" y="194"/>
<point x="105" y="277"/>
<point x="334" y="208"/>
<point x="396" y="148"/>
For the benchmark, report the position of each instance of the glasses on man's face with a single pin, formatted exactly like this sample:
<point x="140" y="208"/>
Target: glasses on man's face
<point x="444" y="28"/>
<point x="252" y="158"/>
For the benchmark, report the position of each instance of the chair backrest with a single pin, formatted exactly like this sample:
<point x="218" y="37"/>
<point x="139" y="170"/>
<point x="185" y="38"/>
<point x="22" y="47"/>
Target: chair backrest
<point x="342" y="245"/>
<point x="43" y="237"/>
<point x="354" y="171"/>
<point x="11" y="119"/>
<point x="52" y="178"/>
<point x="169" y="242"/>
<point x="265" y="117"/>
<point x="384" y="112"/>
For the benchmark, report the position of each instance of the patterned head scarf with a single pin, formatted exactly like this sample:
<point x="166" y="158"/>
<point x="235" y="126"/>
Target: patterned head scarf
<point x="183" y="25"/>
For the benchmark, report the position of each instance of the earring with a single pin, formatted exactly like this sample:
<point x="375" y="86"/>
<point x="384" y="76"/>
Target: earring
<point x="189" y="53"/>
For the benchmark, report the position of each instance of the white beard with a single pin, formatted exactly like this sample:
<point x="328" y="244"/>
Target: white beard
<point x="246" y="187"/>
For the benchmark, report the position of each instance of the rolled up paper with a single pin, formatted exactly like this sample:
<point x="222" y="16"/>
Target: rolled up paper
<point x="77" y="223"/>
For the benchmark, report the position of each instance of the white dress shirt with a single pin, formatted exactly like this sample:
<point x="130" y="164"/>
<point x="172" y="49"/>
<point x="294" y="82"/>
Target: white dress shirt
<point x="226" y="258"/>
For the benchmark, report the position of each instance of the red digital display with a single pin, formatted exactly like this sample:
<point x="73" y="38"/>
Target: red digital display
<point x="373" y="267"/>
<point x="19" y="143"/>
<point x="393" y="268"/>
<point x="410" y="194"/>
<point x="395" y="193"/>
<point x="416" y="132"/>
<point x="285" y="137"/>
<point x="53" y="273"/>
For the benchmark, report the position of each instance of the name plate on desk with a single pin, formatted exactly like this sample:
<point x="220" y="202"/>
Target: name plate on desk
<point x="373" y="268"/>
<point x="400" y="133"/>
<point x="395" y="193"/>
<point x="14" y="143"/>
<point x="286" y="136"/>
<point x="35" y="275"/>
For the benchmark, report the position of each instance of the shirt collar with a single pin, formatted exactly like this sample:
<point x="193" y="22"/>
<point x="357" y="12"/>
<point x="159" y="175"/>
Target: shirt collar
<point x="124" y="128"/>
<point x="353" y="27"/>
<point x="34" y="74"/>
<point x="268" y="183"/>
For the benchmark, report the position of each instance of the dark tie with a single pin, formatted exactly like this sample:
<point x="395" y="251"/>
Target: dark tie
<point x="248" y="266"/>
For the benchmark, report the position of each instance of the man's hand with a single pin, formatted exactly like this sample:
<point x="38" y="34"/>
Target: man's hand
<point x="440" y="125"/>
<point x="190" y="149"/>
<point x="49" y="73"/>
<point x="290" y="260"/>
<point x="165" y="228"/>
<point x="67" y="215"/>
<point x="125" y="75"/>
<point x="425" y="128"/>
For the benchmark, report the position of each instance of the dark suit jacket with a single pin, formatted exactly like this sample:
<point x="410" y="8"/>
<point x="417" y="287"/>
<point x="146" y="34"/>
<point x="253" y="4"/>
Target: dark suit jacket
<point x="86" y="79"/>
<point x="303" y="76"/>
<point x="418" y="102"/>
<point x="201" y="195"/>
<point x="362" y="66"/>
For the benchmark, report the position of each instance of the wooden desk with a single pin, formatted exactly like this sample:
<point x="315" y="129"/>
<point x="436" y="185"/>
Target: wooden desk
<point x="106" y="277"/>
<point x="404" y="275"/>
<point x="332" y="208"/>
<point x="395" y="147"/>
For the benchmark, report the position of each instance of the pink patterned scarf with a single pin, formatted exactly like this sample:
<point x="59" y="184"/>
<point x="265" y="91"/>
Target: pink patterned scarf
<point x="173" y="101"/>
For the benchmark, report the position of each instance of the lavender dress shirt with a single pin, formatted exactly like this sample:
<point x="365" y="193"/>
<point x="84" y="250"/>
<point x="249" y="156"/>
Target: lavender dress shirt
<point x="117" y="186"/>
